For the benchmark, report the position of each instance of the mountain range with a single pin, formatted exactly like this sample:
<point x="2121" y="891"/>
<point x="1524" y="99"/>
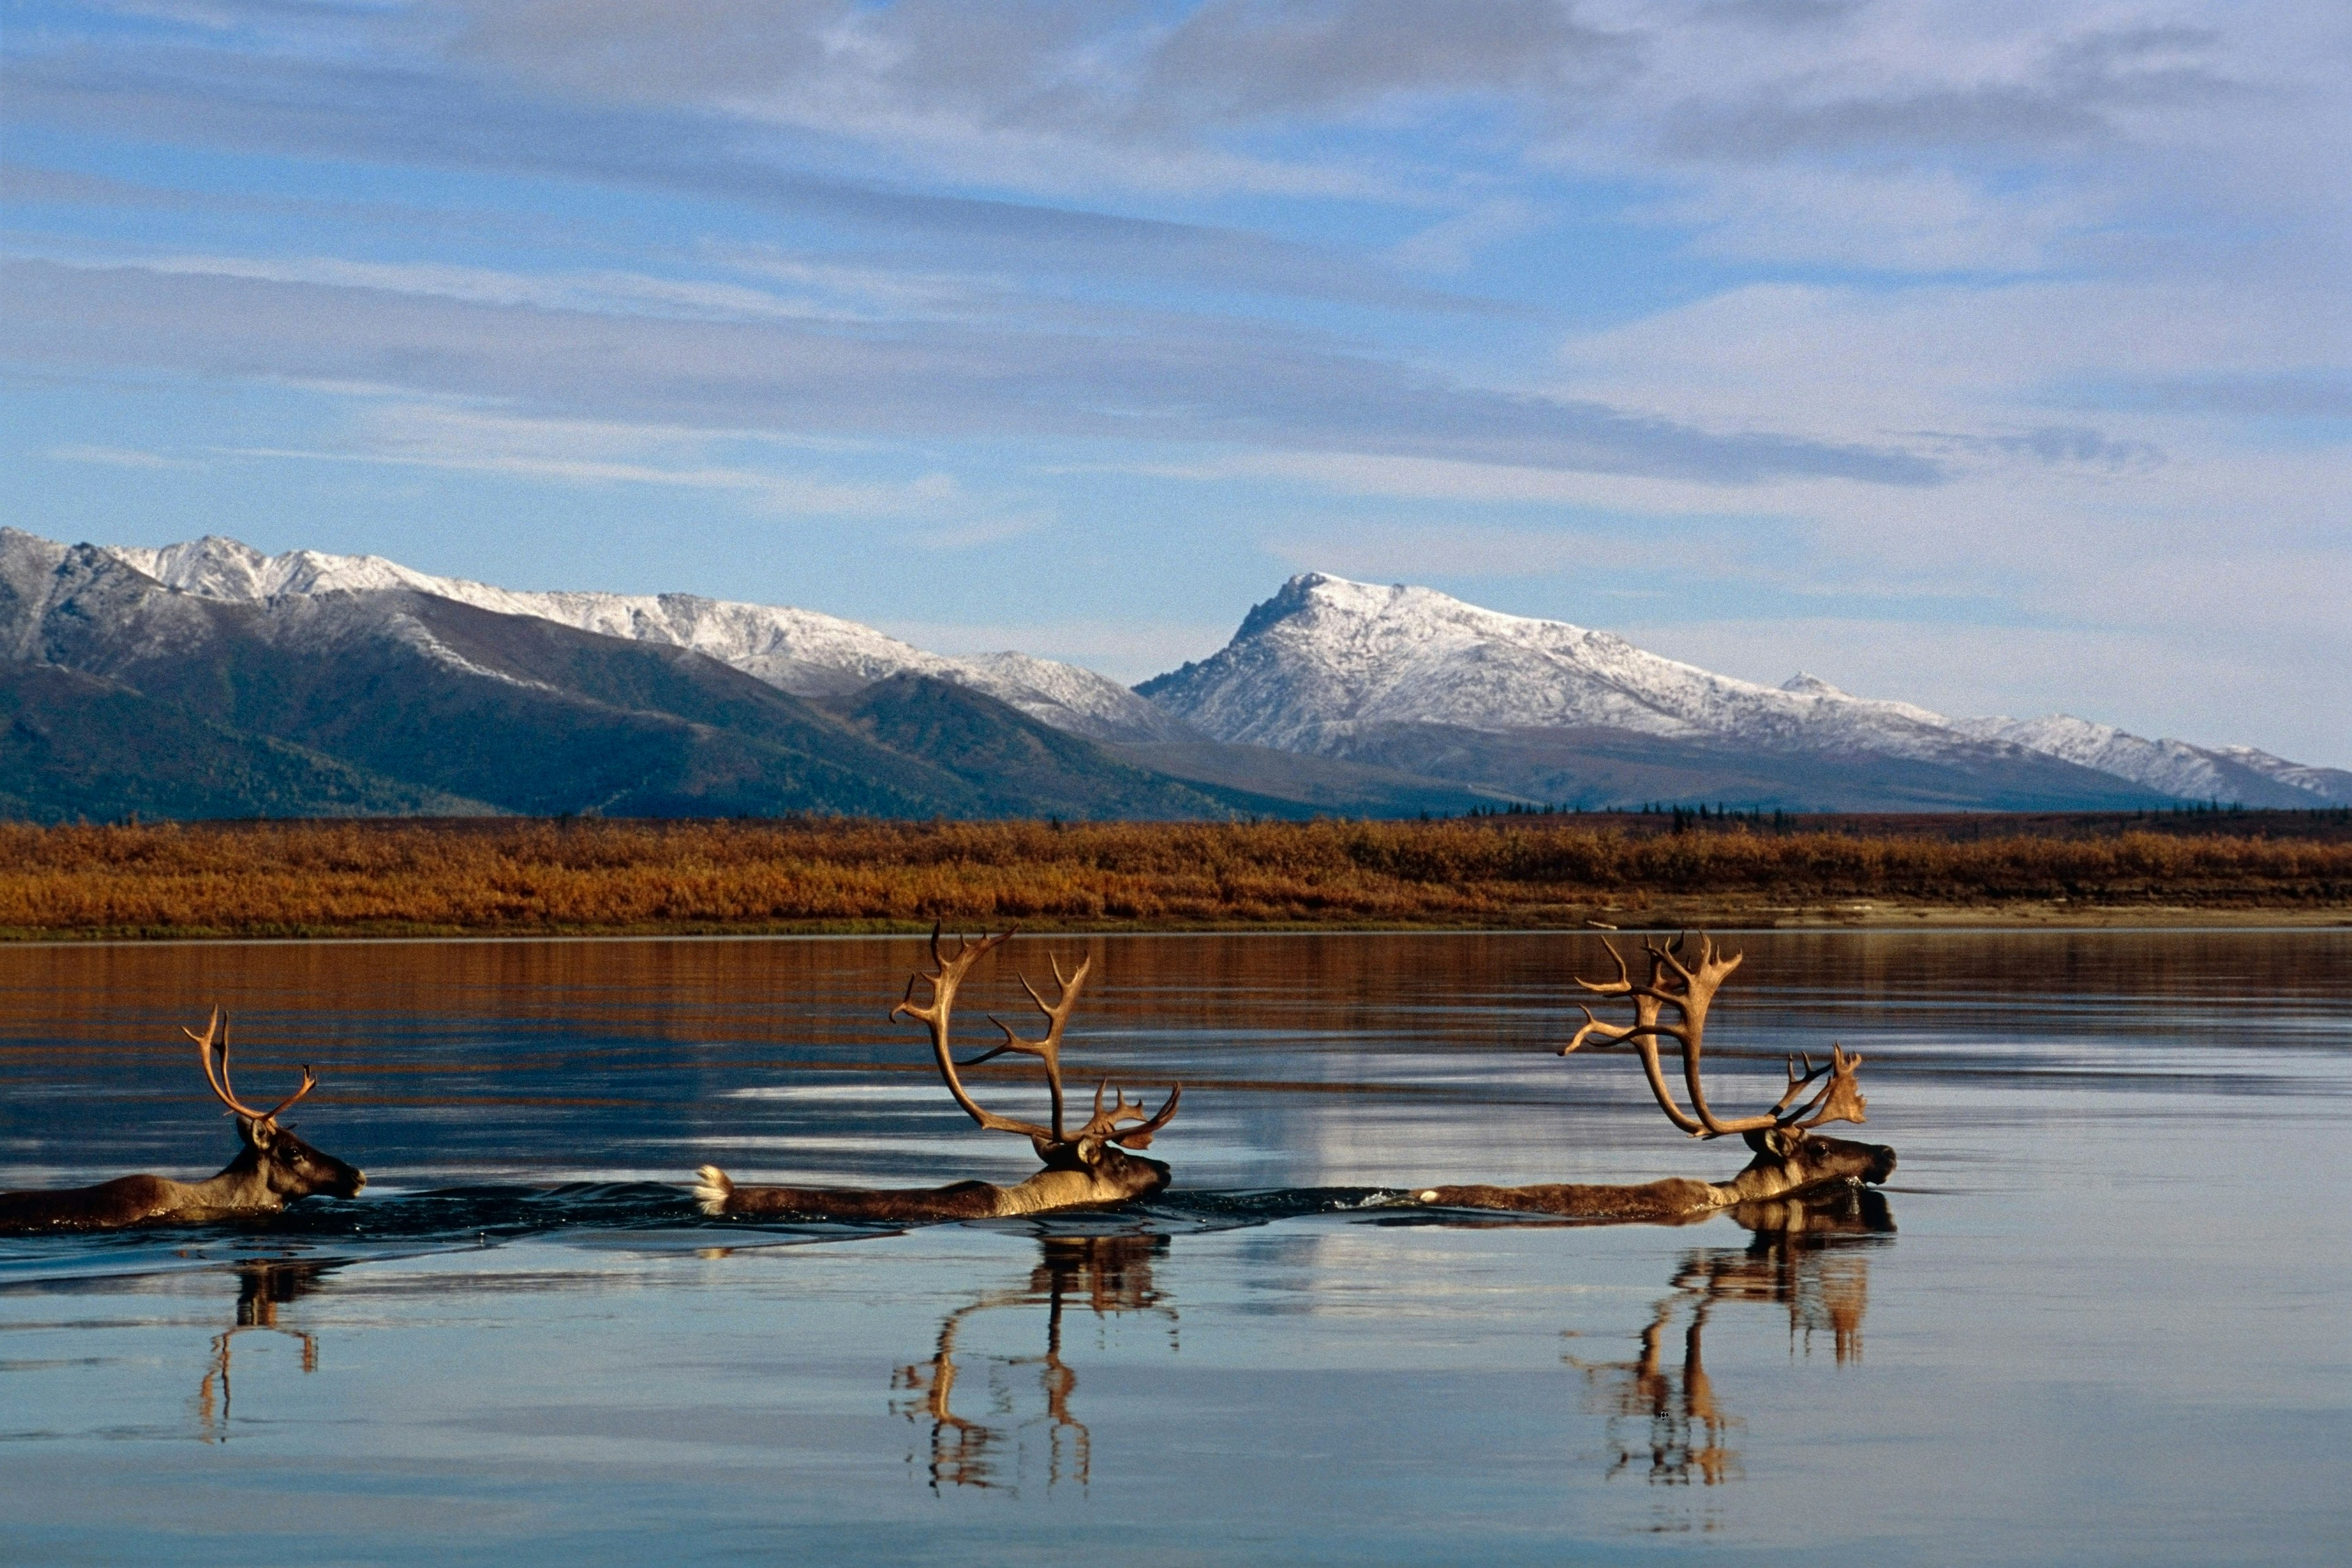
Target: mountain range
<point x="208" y="680"/>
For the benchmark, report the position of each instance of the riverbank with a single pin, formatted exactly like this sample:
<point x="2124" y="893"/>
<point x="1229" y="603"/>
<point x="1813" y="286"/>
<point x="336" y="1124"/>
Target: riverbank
<point x="584" y="877"/>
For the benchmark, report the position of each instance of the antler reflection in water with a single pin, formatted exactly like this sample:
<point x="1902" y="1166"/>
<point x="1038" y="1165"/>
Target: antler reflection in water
<point x="262" y="1287"/>
<point x="1799" y="1259"/>
<point x="1109" y="1275"/>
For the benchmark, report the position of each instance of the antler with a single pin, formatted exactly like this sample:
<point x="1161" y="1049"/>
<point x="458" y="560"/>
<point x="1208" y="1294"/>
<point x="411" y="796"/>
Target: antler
<point x="944" y="983"/>
<point x="1839" y="1099"/>
<point x="1689" y="992"/>
<point x="1101" y="1127"/>
<point x="216" y="1036"/>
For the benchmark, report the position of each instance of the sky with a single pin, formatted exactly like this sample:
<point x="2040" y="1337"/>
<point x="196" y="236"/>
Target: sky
<point x="1992" y="356"/>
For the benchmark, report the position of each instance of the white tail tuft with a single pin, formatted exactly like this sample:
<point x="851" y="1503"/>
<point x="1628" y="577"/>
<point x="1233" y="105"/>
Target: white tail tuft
<point x="713" y="1189"/>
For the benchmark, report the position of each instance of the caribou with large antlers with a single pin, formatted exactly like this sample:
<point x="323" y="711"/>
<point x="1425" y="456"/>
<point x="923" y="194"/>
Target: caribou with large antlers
<point x="1790" y="1157"/>
<point x="1090" y="1167"/>
<point x="273" y="1169"/>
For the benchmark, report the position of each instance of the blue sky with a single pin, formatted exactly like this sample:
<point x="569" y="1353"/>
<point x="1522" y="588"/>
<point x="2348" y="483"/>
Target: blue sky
<point x="1997" y="357"/>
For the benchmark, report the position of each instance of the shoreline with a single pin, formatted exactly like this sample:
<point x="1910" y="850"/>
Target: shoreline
<point x="1880" y="916"/>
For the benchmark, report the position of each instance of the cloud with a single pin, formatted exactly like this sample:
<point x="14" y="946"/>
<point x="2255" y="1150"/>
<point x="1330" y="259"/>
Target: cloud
<point x="949" y="379"/>
<point x="2057" y="445"/>
<point x="407" y="114"/>
<point x="1243" y="61"/>
<point x="2287" y="396"/>
<point x="1392" y="553"/>
<point x="598" y="453"/>
<point x="114" y="456"/>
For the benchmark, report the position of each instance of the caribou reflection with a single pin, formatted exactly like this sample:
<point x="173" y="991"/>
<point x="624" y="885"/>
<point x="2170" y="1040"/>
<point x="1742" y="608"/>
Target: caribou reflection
<point x="1021" y="1394"/>
<point x="1666" y="1421"/>
<point x="262" y="1287"/>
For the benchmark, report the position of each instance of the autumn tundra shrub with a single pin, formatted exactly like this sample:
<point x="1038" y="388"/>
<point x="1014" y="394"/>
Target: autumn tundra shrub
<point x="509" y="875"/>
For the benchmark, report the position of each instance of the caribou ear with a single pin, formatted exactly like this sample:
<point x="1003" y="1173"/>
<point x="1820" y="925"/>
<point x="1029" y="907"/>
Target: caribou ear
<point x="260" y="1134"/>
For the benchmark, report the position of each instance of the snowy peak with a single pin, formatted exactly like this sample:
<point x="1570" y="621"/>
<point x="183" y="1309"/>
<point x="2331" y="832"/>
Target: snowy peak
<point x="1325" y="662"/>
<point x="805" y="652"/>
<point x="1326" y="657"/>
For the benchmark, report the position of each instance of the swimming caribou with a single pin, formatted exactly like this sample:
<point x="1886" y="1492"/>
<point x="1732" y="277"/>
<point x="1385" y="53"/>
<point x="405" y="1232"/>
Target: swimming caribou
<point x="273" y="1169"/>
<point x="1089" y="1168"/>
<point x="1790" y="1158"/>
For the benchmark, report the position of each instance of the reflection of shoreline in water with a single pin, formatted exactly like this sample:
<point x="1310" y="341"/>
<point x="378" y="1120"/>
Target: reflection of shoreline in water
<point x="262" y="1287"/>
<point x="1803" y="1256"/>
<point x="1111" y="1274"/>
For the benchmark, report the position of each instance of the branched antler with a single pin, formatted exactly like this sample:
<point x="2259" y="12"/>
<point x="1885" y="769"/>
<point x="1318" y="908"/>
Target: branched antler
<point x="1053" y="1143"/>
<point x="1689" y="992"/>
<point x="215" y="1038"/>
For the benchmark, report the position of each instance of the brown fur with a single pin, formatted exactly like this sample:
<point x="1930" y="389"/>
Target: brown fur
<point x="1788" y="1164"/>
<point x="1115" y="1178"/>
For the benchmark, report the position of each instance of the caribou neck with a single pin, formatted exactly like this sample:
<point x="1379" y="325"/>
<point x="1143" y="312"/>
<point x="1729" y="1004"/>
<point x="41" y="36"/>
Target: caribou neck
<point x="242" y="1184"/>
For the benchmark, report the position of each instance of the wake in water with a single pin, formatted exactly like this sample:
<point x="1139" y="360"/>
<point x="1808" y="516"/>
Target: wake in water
<point x="640" y="1214"/>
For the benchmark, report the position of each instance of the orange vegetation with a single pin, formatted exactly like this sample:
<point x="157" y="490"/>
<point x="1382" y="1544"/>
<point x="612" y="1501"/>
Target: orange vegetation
<point x="317" y="878"/>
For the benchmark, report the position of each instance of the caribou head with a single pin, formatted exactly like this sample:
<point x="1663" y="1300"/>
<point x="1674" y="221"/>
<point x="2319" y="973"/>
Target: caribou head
<point x="282" y="1165"/>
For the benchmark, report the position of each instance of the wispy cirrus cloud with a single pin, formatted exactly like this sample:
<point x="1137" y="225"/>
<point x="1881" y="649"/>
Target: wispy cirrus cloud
<point x="949" y="379"/>
<point x="603" y="453"/>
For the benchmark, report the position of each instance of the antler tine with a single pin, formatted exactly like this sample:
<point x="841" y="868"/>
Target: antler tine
<point x="309" y="1081"/>
<point x="1617" y="987"/>
<point x="1140" y="1137"/>
<point x="1798" y="1084"/>
<point x="204" y="1043"/>
<point x="1663" y="959"/>
<point x="1610" y="1033"/>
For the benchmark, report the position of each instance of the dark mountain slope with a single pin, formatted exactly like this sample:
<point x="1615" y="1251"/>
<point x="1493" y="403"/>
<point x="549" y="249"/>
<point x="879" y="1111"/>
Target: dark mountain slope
<point x="1266" y="782"/>
<point x="1014" y="764"/>
<point x="75" y="745"/>
<point x="1599" y="768"/>
<point x="461" y="700"/>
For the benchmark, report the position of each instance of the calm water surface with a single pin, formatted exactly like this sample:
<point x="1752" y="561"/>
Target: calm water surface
<point x="2099" y="1316"/>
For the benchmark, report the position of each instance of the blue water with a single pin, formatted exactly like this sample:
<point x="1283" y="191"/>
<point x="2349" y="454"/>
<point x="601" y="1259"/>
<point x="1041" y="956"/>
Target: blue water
<point x="2099" y="1314"/>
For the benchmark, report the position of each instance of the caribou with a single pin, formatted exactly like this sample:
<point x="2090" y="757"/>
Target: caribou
<point x="1790" y="1159"/>
<point x="1090" y="1167"/>
<point x="272" y="1169"/>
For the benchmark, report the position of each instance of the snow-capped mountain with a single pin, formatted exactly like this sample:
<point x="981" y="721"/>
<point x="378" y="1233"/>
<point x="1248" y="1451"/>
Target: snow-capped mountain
<point x="1346" y="669"/>
<point x="119" y="694"/>
<point x="2238" y="774"/>
<point x="804" y="652"/>
<point x="2329" y="784"/>
<point x="1450" y="703"/>
<point x="1326" y="656"/>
